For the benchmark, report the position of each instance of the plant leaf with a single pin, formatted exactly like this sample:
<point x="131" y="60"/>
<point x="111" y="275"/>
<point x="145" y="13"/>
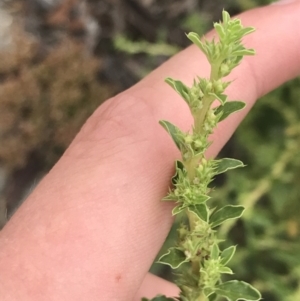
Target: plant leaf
<point x="225" y="270"/>
<point x="176" y="210"/>
<point x="212" y="297"/>
<point x="179" y="87"/>
<point x="219" y="29"/>
<point x="222" y="98"/>
<point x="215" y="252"/>
<point x="227" y="254"/>
<point x="194" y="37"/>
<point x="173" y="258"/>
<point x="247" y="30"/>
<point x="228" y="108"/>
<point x="172" y="130"/>
<point x="201" y="199"/>
<point x="208" y="291"/>
<point x="178" y="166"/>
<point x="243" y="52"/>
<point x="226" y="164"/>
<point x="238" y="290"/>
<point x="225" y="213"/>
<point x="170" y="198"/>
<point x="225" y="16"/>
<point x="200" y="210"/>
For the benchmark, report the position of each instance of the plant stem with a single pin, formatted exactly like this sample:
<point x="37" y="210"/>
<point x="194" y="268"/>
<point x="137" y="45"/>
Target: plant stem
<point x="214" y="73"/>
<point x="192" y="164"/>
<point x="201" y="298"/>
<point x="192" y="222"/>
<point x="200" y="117"/>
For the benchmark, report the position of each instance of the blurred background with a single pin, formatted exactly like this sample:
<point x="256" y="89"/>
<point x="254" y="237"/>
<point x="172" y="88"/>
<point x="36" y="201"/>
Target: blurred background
<point x="60" y="59"/>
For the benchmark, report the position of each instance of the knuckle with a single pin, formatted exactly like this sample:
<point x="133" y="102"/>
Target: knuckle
<point x="113" y="125"/>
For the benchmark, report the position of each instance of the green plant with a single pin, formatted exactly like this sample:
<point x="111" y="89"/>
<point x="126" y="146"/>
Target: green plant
<point x="122" y="43"/>
<point x="197" y="258"/>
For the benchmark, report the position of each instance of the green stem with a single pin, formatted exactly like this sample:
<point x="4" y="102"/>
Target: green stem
<point x="214" y="73"/>
<point x="201" y="298"/>
<point x="190" y="167"/>
<point x="192" y="222"/>
<point x="191" y="164"/>
<point x="199" y="118"/>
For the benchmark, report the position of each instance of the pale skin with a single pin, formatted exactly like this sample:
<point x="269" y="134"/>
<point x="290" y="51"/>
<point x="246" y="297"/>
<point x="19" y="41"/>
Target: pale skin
<point x="93" y="226"/>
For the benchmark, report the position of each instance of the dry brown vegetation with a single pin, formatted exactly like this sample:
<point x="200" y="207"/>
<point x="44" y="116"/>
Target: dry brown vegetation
<point x="43" y="104"/>
<point x="45" y="97"/>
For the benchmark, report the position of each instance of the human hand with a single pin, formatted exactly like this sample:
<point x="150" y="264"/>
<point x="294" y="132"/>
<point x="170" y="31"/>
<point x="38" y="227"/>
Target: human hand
<point x="94" y="224"/>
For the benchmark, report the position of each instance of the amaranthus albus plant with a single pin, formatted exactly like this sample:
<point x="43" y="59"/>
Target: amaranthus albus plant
<point x="197" y="258"/>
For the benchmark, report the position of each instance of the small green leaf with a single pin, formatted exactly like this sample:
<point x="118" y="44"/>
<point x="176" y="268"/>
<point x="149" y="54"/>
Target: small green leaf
<point x="225" y="16"/>
<point x="173" y="258"/>
<point x="225" y="270"/>
<point x="222" y="98"/>
<point x="243" y="52"/>
<point x="201" y="199"/>
<point x="212" y="297"/>
<point x="246" y="30"/>
<point x="200" y="210"/>
<point x="219" y="29"/>
<point x="226" y="164"/>
<point x="228" y="108"/>
<point x="208" y="291"/>
<point x="170" y="197"/>
<point x="172" y="130"/>
<point x="179" y="87"/>
<point x="227" y="254"/>
<point x="178" y="166"/>
<point x="194" y="37"/>
<point x="176" y="210"/>
<point x="225" y="213"/>
<point x="159" y="298"/>
<point x="215" y="252"/>
<point x="238" y="290"/>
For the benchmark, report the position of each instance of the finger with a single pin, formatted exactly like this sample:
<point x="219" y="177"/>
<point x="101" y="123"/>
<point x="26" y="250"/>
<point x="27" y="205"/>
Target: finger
<point x="153" y="286"/>
<point x="100" y="222"/>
